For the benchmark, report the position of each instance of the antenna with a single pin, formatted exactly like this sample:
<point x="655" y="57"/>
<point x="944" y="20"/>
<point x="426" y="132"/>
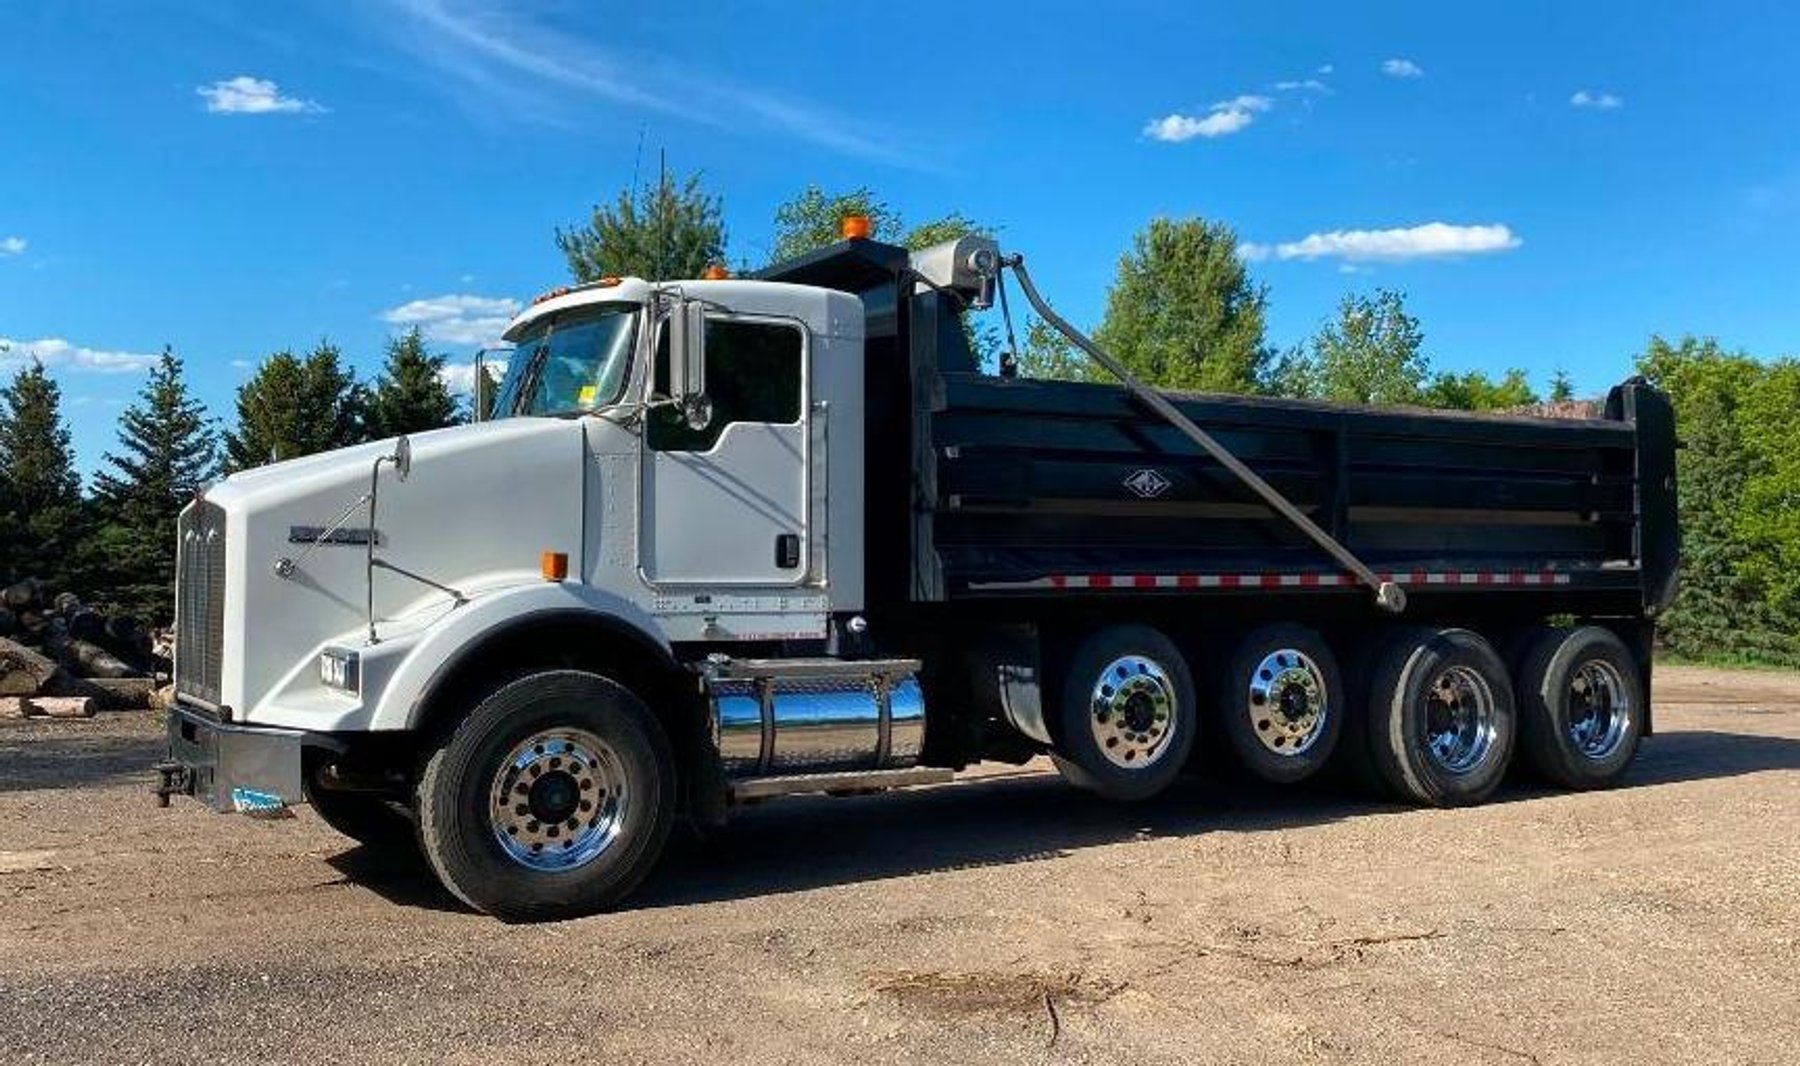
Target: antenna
<point x="662" y="214"/>
<point x="637" y="160"/>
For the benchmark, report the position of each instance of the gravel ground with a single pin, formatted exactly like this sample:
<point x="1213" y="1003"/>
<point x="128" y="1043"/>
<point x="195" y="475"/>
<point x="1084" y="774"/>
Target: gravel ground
<point x="1004" y="918"/>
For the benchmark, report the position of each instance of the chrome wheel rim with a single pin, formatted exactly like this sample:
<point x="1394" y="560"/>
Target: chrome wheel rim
<point x="558" y="800"/>
<point x="1288" y="702"/>
<point x="1132" y="712"/>
<point x="1599" y="709"/>
<point x="1461" y="720"/>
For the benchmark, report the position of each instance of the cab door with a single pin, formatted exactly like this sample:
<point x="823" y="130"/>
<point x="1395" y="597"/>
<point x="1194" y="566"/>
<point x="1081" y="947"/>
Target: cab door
<point x="727" y="504"/>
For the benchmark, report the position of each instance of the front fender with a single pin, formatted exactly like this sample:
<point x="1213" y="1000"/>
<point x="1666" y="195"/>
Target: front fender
<point x="397" y="674"/>
<point x="438" y="649"/>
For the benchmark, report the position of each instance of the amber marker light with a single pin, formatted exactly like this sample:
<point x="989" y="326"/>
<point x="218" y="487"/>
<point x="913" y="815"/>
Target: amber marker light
<point x="856" y="227"/>
<point x="555" y="565"/>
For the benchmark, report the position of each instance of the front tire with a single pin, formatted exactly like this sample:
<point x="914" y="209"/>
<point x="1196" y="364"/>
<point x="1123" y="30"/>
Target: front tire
<point x="1126" y="714"/>
<point x="551" y="800"/>
<point x="1441" y="720"/>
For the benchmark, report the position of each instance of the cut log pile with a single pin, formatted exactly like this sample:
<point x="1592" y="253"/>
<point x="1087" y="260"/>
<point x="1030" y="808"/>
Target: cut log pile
<point x="59" y="657"/>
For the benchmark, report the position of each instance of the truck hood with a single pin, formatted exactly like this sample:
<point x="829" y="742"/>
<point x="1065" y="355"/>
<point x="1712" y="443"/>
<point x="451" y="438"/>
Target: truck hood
<point x="481" y="504"/>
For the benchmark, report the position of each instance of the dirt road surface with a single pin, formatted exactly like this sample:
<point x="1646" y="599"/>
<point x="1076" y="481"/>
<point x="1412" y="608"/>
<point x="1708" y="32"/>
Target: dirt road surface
<point x="997" y="920"/>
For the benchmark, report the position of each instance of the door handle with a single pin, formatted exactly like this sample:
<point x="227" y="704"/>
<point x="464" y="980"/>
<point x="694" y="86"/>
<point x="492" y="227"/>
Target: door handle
<point x="787" y="550"/>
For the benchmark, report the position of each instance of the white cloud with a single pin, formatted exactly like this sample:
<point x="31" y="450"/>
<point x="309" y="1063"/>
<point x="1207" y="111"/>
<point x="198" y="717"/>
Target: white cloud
<point x="244" y="95"/>
<point x="1326" y="69"/>
<point x="54" y="352"/>
<point x="1402" y="68"/>
<point x="456" y="318"/>
<point x="1431" y="240"/>
<point x="1223" y="118"/>
<point x="13" y="245"/>
<point x="459" y="378"/>
<point x="1309" y="85"/>
<point x="1597" y="101"/>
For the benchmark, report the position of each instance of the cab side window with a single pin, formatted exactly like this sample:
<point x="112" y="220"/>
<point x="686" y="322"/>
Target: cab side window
<point x="753" y="374"/>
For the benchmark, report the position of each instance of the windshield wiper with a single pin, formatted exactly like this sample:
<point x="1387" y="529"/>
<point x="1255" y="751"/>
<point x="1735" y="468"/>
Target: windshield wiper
<point x="528" y="378"/>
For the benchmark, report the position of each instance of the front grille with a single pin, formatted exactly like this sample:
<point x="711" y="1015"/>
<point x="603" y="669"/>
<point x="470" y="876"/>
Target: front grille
<point x="200" y="602"/>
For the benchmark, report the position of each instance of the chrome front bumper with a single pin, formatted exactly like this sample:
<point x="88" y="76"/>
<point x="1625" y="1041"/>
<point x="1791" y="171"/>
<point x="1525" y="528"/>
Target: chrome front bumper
<point x="249" y="769"/>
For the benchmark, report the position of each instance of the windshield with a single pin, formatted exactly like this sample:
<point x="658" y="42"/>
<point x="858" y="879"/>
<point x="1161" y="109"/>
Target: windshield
<point x="570" y="362"/>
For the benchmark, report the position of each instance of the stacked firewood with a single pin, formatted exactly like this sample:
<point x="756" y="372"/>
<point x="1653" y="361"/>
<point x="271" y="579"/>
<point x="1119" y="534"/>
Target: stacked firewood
<point x="59" y="656"/>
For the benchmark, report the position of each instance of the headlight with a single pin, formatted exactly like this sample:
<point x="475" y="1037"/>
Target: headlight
<point x="338" y="668"/>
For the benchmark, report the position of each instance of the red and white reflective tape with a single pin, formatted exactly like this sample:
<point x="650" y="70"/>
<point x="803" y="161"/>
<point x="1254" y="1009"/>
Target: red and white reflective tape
<point x="1283" y="581"/>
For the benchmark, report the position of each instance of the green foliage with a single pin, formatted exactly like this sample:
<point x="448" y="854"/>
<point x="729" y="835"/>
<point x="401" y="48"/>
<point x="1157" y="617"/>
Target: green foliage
<point x="1183" y="312"/>
<point x="1562" y="390"/>
<point x="1373" y="353"/>
<point x="1739" y="493"/>
<point x="294" y="407"/>
<point x="486" y="390"/>
<point x="1370" y="353"/>
<point x="167" y="452"/>
<point x="410" y="395"/>
<point x="42" y="514"/>
<point x="812" y="219"/>
<point x="672" y="229"/>
<point x="1048" y="355"/>
<point x="1473" y="390"/>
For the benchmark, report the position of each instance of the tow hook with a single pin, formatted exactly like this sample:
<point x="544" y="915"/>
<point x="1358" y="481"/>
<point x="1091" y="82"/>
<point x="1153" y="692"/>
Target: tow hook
<point x="176" y="780"/>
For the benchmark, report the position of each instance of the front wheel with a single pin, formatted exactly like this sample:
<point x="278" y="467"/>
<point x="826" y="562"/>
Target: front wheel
<point x="552" y="799"/>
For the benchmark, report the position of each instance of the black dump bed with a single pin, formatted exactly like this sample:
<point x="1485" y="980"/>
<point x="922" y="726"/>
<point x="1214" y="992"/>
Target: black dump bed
<point x="981" y="487"/>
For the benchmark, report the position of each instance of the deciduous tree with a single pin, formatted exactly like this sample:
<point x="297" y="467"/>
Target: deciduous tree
<point x="1183" y="312"/>
<point x="672" y="229"/>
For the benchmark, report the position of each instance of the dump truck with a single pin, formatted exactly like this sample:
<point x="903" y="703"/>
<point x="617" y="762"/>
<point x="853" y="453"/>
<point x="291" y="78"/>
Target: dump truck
<point x="733" y="538"/>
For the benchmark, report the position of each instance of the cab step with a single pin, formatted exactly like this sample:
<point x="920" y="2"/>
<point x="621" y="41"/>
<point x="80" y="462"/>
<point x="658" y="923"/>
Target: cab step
<point x="755" y="788"/>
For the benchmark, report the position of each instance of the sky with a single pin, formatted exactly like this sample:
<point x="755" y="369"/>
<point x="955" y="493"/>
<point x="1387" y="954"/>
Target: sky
<point x="1548" y="183"/>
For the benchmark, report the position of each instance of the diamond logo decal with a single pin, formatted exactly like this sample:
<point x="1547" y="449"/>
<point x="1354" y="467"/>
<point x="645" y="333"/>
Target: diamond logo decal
<point x="1148" y="484"/>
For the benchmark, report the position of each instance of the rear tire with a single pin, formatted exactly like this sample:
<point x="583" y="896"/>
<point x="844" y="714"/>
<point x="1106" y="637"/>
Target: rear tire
<point x="1126" y="714"/>
<point x="1281" y="703"/>
<point x="1581" y="707"/>
<point x="551" y="800"/>
<point x="1441" y="721"/>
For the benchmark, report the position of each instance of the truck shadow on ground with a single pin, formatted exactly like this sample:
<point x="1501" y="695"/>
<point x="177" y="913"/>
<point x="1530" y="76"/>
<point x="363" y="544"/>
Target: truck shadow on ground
<point x="805" y="843"/>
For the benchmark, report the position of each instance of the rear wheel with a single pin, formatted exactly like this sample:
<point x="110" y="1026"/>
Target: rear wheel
<point x="1126" y="714"/>
<point x="1280" y="703"/>
<point x="1441" y="721"/>
<point x="1581" y="711"/>
<point x="552" y="799"/>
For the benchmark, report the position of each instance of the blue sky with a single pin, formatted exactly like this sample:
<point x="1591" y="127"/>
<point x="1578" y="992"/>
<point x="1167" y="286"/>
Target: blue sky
<point x="1548" y="183"/>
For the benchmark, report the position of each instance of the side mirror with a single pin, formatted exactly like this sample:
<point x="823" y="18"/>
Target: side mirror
<point x="687" y="362"/>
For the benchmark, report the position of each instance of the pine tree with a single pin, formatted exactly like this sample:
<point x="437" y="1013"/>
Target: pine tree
<point x="45" y="517"/>
<point x="1562" y="390"/>
<point x="294" y="407"/>
<point x="168" y="451"/>
<point x="410" y="395"/>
